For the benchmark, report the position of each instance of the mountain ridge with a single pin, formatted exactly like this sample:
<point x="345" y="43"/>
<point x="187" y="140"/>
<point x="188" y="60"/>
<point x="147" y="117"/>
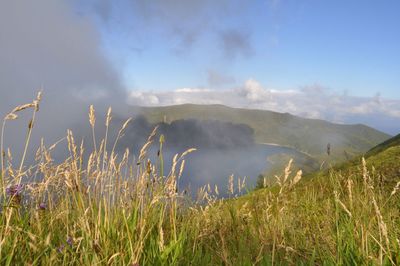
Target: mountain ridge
<point x="304" y="134"/>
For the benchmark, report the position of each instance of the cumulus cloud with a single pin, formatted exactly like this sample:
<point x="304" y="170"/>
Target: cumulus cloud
<point x="314" y="101"/>
<point x="254" y="92"/>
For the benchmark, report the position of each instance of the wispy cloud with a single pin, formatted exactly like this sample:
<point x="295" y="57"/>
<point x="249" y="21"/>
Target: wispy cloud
<point x="183" y="23"/>
<point x="236" y="43"/>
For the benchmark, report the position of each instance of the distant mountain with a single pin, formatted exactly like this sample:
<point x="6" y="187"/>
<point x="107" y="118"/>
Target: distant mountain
<point x="311" y="136"/>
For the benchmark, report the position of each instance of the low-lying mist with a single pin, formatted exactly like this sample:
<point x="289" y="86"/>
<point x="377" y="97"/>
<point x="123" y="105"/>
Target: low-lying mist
<point x="223" y="149"/>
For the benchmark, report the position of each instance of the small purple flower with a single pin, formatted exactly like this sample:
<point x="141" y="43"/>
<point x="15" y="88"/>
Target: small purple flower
<point x="60" y="248"/>
<point x="70" y="241"/>
<point x="14" y="190"/>
<point x="42" y="206"/>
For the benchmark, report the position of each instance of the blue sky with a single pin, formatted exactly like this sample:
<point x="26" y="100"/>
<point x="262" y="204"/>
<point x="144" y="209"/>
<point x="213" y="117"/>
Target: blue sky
<point x="350" y="46"/>
<point x="335" y="60"/>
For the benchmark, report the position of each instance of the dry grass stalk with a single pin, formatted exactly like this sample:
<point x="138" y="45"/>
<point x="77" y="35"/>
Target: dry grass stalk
<point x="337" y="199"/>
<point x="350" y="191"/>
<point x="161" y="241"/>
<point x="287" y="171"/>
<point x="281" y="180"/>
<point x="92" y="116"/>
<point x="23" y="107"/>
<point x="296" y="179"/>
<point x="181" y="168"/>
<point x="216" y="190"/>
<point x="365" y="173"/>
<point x="108" y="117"/>
<point x="188" y="151"/>
<point x="92" y="121"/>
<point x="13" y="116"/>
<point x="395" y="189"/>
<point x="120" y="133"/>
<point x="35" y="104"/>
<point x="143" y="150"/>
<point x="243" y="183"/>
<point x="230" y="185"/>
<point x="381" y="223"/>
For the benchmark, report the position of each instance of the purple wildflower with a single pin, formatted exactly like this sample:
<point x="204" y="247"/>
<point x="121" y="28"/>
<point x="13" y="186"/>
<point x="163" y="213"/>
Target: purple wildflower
<point x="42" y="206"/>
<point x="14" y="190"/>
<point x="70" y="241"/>
<point x="60" y="248"/>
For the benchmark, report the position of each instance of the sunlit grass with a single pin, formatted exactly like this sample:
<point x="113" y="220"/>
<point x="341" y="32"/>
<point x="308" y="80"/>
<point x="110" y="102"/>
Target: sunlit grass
<point x="114" y="209"/>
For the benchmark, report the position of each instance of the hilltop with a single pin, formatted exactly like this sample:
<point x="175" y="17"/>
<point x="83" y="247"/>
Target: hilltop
<point x="307" y="135"/>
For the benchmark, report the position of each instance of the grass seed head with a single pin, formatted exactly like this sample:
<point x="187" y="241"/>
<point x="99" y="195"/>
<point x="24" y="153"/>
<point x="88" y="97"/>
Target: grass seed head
<point x="297" y="178"/>
<point x="395" y="189"/>
<point x="230" y="185"/>
<point x="11" y="116"/>
<point x="108" y="118"/>
<point x="23" y="107"/>
<point x="92" y="116"/>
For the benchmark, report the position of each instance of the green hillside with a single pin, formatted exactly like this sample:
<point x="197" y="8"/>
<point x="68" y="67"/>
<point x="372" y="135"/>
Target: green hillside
<point x="307" y="135"/>
<point x="383" y="161"/>
<point x="384" y="158"/>
<point x="395" y="141"/>
<point x="346" y="215"/>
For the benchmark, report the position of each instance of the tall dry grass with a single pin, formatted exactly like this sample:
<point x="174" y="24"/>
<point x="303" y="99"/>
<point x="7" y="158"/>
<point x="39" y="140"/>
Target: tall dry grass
<point x="108" y="209"/>
<point x="116" y="209"/>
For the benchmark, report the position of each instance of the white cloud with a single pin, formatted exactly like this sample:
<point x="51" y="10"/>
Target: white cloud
<point x="254" y="92"/>
<point x="189" y="90"/>
<point x="143" y="98"/>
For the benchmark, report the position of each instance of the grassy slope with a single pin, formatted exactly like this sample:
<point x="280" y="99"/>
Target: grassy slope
<point x="317" y="226"/>
<point x="395" y="141"/>
<point x="308" y="135"/>
<point x="303" y="224"/>
<point x="383" y="159"/>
